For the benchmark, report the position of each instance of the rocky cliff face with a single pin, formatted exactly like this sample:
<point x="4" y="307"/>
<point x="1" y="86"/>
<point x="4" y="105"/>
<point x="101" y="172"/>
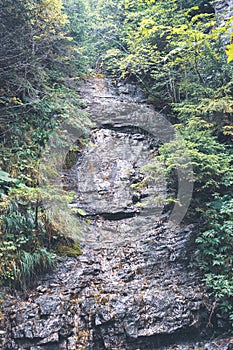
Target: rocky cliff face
<point x="133" y="287"/>
<point x="224" y="9"/>
<point x="139" y="296"/>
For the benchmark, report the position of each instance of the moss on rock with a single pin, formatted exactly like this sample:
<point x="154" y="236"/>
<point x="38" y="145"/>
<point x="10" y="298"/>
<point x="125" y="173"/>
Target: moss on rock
<point x="71" y="250"/>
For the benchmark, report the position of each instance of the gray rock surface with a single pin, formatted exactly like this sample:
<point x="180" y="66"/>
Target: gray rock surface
<point x="139" y="296"/>
<point x="133" y="287"/>
<point x="224" y="11"/>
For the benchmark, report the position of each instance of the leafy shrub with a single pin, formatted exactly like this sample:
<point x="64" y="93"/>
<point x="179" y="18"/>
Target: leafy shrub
<point x="210" y="159"/>
<point x="215" y="250"/>
<point x="21" y="246"/>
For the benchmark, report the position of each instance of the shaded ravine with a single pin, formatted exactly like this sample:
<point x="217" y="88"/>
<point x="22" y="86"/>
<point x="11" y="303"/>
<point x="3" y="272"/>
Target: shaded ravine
<point x="132" y="288"/>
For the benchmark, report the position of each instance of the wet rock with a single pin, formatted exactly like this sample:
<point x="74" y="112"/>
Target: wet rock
<point x="137" y="300"/>
<point x="49" y="305"/>
<point x="132" y="288"/>
<point x="103" y="181"/>
<point x="54" y="337"/>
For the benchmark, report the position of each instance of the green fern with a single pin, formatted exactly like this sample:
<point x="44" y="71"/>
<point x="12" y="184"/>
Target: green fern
<point x="30" y="264"/>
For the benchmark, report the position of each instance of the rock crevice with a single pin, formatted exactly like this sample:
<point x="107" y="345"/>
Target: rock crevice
<point x="133" y="287"/>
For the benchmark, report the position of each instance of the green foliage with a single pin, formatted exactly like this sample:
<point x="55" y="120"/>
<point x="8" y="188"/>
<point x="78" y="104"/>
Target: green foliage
<point x="215" y="253"/>
<point x="31" y="34"/>
<point x="175" y="50"/>
<point x="211" y="202"/>
<point x="6" y="182"/>
<point x="175" y="57"/>
<point x="39" y="66"/>
<point x="80" y="25"/>
<point x="209" y="158"/>
<point x="21" y="246"/>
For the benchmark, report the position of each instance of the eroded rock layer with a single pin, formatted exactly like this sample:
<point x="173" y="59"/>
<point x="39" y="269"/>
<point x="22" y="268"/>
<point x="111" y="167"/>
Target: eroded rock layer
<point x="139" y="296"/>
<point x="133" y="288"/>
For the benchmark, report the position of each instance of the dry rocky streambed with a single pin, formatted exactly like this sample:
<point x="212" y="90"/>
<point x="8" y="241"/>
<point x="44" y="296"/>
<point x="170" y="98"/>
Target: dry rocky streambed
<point x="132" y="288"/>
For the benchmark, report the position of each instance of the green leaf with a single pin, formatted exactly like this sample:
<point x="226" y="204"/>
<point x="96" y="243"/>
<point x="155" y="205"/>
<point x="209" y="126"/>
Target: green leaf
<point x="229" y="52"/>
<point x="79" y="211"/>
<point x="5" y="177"/>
